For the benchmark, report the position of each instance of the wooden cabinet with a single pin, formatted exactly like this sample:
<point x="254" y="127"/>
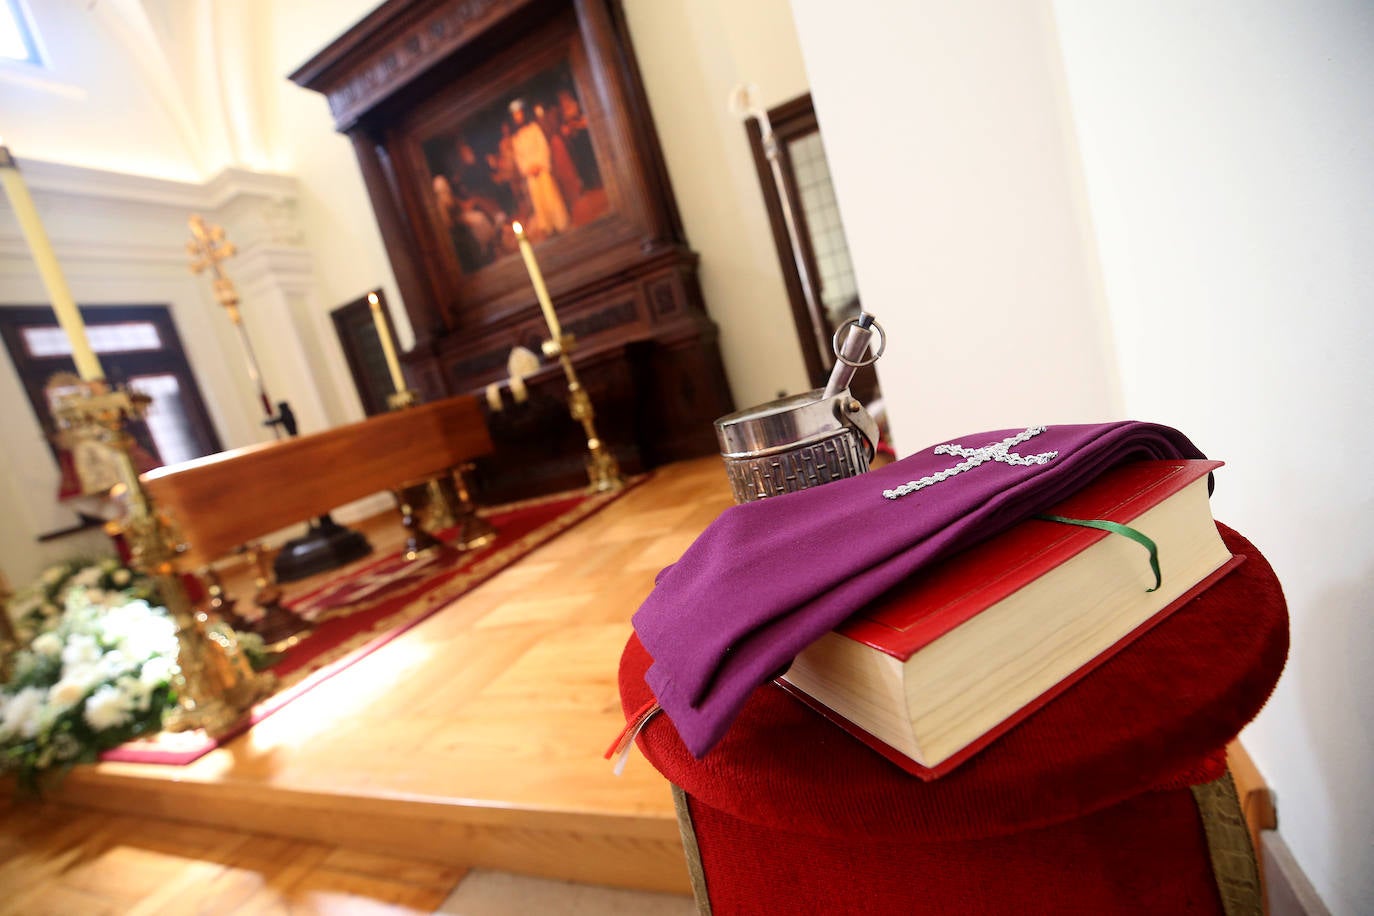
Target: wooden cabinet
<point x="468" y="114"/>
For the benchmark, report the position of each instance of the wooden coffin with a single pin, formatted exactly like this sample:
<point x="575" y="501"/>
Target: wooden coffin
<point x="222" y="501"/>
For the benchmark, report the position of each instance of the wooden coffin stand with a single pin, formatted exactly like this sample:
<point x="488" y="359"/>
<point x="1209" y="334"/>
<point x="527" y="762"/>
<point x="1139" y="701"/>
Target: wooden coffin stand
<point x="416" y="73"/>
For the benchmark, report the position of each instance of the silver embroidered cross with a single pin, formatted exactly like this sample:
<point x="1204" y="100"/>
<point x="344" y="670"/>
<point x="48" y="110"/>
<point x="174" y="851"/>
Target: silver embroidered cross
<point x="997" y="451"/>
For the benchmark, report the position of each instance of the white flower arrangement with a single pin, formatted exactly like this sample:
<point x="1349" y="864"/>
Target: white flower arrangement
<point x="97" y="672"/>
<point x="36" y="609"/>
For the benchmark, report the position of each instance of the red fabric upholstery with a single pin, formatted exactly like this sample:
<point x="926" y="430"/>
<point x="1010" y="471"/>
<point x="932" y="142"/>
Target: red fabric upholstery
<point x="1146" y="855"/>
<point x="1078" y="809"/>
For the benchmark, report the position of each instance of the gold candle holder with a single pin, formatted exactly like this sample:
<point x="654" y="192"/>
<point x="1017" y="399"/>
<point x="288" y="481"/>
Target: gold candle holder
<point x="603" y="471"/>
<point x="216" y="685"/>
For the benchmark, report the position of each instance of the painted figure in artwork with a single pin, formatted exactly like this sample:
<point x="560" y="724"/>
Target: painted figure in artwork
<point x="578" y="139"/>
<point x="534" y="159"/>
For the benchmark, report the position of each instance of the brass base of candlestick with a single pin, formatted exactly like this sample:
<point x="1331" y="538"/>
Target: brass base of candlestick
<point x="449" y="505"/>
<point x="215" y="685"/>
<point x="475" y="531"/>
<point x="278" y="625"/>
<point x="602" y="469"/>
<point x="221" y="604"/>
<point x="419" y="542"/>
<point x="399" y="400"/>
<point x="438" y="504"/>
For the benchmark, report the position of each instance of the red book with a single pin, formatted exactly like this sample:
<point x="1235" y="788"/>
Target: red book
<point x="942" y="665"/>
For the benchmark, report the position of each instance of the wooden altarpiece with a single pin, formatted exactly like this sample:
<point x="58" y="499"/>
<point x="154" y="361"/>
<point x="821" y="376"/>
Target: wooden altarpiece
<point x="417" y="81"/>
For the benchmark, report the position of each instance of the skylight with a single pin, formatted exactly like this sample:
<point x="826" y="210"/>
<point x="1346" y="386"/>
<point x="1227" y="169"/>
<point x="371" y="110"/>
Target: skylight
<point x="16" y="34"/>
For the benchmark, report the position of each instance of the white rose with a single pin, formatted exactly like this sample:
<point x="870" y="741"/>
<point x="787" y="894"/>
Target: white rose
<point x="21" y="712"/>
<point x="49" y="644"/>
<point x="81" y="650"/>
<point x="138" y="692"/>
<point x="67" y="692"/>
<point x="114" y="663"/>
<point x="148" y="644"/>
<point x="108" y="707"/>
<point x="157" y="670"/>
<point x="54" y="574"/>
<point x="88" y="675"/>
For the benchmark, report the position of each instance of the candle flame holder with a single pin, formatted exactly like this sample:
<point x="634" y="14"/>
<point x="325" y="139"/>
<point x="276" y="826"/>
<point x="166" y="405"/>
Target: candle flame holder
<point x="215" y="686"/>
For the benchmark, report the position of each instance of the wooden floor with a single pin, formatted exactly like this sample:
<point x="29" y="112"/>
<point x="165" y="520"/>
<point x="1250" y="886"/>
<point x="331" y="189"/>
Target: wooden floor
<point x="474" y="739"/>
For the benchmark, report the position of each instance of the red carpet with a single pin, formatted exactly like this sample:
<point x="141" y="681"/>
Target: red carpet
<point x="365" y="609"/>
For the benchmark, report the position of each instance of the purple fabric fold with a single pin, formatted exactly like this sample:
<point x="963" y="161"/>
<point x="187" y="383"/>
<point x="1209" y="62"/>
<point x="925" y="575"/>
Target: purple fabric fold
<point x="767" y="578"/>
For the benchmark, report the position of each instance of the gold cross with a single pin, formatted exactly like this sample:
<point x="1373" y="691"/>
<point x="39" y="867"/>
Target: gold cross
<point x="207" y="248"/>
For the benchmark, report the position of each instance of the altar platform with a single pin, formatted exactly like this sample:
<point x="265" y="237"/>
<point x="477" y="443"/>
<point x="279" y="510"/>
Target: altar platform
<point x="475" y="738"/>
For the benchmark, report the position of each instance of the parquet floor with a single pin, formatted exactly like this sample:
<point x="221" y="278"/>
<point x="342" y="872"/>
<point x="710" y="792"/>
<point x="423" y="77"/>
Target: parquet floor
<point x="75" y="862"/>
<point x="474" y="739"/>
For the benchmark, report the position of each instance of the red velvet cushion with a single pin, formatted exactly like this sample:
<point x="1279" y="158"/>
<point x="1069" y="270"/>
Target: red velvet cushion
<point x="1153" y="716"/>
<point x="1147" y="855"/>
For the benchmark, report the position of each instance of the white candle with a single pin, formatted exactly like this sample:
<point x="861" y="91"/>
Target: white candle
<point x="87" y="365"/>
<point x="541" y="292"/>
<point x="398" y="380"/>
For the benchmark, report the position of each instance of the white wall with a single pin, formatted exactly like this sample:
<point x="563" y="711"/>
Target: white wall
<point x="335" y="212"/>
<point x="92" y="104"/>
<point x="1229" y="150"/>
<point x="692" y="53"/>
<point x="959" y="187"/>
<point x="1221" y="207"/>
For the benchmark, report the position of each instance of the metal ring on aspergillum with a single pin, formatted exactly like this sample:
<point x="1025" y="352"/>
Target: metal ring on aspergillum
<point x="875" y="353"/>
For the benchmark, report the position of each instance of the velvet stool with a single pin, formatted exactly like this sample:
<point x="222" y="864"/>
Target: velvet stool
<point x="1114" y="798"/>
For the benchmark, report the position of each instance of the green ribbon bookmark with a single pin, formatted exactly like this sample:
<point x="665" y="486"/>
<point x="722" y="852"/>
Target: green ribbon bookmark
<point x="1115" y="528"/>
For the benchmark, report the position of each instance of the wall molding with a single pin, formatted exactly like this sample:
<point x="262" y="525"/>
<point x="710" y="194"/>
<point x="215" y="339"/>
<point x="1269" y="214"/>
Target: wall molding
<point x="212" y="194"/>
<point x="74" y="254"/>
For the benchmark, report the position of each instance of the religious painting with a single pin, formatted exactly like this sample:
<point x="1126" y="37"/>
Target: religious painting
<point x="527" y="157"/>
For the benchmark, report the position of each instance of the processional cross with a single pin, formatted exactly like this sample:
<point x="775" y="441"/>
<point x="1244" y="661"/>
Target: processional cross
<point x="207" y="248"/>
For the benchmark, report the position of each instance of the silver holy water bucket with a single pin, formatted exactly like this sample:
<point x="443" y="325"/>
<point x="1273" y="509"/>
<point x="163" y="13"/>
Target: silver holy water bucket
<point x="795" y="443"/>
<point x="808" y="439"/>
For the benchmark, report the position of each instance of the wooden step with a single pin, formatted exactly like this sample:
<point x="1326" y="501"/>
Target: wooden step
<point x="475" y="738"/>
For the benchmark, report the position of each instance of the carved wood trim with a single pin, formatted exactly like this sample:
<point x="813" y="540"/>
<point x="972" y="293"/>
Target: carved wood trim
<point x="394" y="45"/>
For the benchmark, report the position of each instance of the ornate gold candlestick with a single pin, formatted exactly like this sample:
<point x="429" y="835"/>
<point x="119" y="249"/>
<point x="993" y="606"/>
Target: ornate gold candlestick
<point x="216" y="686"/>
<point x="603" y="471"/>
